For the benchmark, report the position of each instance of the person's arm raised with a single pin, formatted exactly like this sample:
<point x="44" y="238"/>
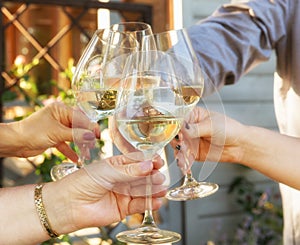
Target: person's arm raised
<point x="223" y="139"/>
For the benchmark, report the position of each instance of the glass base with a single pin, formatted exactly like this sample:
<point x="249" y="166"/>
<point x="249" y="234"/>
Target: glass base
<point x="148" y="235"/>
<point x="191" y="191"/>
<point x="59" y="171"/>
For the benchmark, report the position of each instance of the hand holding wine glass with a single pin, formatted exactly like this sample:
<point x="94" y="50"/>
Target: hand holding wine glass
<point x="149" y="114"/>
<point x="192" y="78"/>
<point x="95" y="84"/>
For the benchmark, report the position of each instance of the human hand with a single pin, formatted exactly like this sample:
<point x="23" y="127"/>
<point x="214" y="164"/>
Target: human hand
<point x="119" y="141"/>
<point x="102" y="193"/>
<point x="211" y="136"/>
<point x="52" y="126"/>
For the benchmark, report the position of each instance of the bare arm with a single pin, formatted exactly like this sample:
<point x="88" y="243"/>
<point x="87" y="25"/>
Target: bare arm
<point x="103" y="193"/>
<point x="51" y="126"/>
<point x="220" y="138"/>
<point x="274" y="155"/>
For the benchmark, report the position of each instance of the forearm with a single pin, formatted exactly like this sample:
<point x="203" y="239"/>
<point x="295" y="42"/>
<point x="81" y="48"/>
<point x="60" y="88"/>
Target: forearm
<point x="19" y="220"/>
<point x="274" y="155"/>
<point x="20" y="223"/>
<point x="11" y="138"/>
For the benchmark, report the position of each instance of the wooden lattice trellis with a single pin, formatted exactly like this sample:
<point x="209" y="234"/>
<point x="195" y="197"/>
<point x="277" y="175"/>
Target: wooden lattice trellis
<point x="11" y="17"/>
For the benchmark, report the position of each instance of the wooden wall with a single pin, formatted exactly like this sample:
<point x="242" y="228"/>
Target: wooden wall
<point x="251" y="102"/>
<point x="161" y="18"/>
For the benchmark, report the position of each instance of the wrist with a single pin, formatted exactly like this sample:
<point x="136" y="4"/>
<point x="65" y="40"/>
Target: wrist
<point x="250" y="146"/>
<point x="235" y="143"/>
<point x="40" y="208"/>
<point x="57" y="208"/>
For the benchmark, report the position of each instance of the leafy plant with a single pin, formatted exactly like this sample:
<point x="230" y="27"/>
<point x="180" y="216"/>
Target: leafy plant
<point x="263" y="219"/>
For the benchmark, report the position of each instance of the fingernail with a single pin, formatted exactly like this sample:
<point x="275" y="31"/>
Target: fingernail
<point x="88" y="136"/>
<point x="146" y="166"/>
<point x="178" y="147"/>
<point x="187" y="126"/>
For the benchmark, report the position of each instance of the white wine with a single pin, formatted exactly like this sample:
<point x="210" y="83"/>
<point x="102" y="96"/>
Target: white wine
<point x="152" y="110"/>
<point x="97" y="98"/>
<point x="149" y="132"/>
<point x="191" y="96"/>
<point x="97" y="104"/>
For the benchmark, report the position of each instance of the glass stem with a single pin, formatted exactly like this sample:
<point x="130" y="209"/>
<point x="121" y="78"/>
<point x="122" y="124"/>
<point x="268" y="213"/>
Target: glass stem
<point x="81" y="157"/>
<point x="188" y="178"/>
<point x="148" y="216"/>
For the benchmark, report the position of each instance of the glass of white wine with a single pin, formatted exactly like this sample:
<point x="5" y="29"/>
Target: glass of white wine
<point x="192" y="79"/>
<point x="149" y="114"/>
<point x="96" y="82"/>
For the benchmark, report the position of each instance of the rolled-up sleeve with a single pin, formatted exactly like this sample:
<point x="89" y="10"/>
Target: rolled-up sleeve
<point x="237" y="37"/>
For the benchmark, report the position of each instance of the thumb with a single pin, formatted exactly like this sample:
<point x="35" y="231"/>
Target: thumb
<point x="196" y="130"/>
<point x="108" y="175"/>
<point x="137" y="169"/>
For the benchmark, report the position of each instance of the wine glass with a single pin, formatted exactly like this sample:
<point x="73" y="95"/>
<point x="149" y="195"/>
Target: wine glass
<point x="149" y="114"/>
<point x="96" y="82"/>
<point x="177" y="43"/>
<point x="134" y="28"/>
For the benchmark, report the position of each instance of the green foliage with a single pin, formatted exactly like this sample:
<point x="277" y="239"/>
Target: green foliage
<point x="9" y="95"/>
<point x="43" y="169"/>
<point x="64" y="238"/>
<point x="23" y="86"/>
<point x="263" y="219"/>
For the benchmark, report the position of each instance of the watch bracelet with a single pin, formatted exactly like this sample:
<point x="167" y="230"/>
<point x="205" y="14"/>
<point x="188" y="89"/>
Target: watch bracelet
<point x="40" y="208"/>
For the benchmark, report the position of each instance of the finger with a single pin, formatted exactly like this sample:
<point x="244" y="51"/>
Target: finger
<point x="138" y="169"/>
<point x="140" y="191"/>
<point x="83" y="136"/>
<point x="197" y="130"/>
<point x="180" y="160"/>
<point x="108" y="175"/>
<point x="128" y="158"/>
<point x="137" y="205"/>
<point x="80" y="120"/>
<point x="135" y="156"/>
<point x="159" y="191"/>
<point x="124" y="208"/>
<point x="158" y="162"/>
<point x="198" y="114"/>
<point x="63" y="133"/>
<point x="65" y="149"/>
<point x="157" y="178"/>
<point x="138" y="187"/>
